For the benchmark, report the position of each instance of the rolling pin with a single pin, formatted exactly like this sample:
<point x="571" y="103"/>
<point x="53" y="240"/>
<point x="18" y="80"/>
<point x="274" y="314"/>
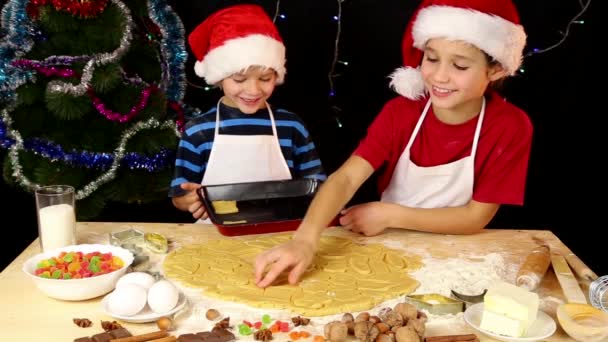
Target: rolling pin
<point x="579" y="267"/>
<point x="534" y="268"/>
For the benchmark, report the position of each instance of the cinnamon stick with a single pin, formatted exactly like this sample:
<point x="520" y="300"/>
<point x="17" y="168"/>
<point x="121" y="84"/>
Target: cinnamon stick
<point x="142" y="337"/>
<point x="165" y="339"/>
<point x="452" y="338"/>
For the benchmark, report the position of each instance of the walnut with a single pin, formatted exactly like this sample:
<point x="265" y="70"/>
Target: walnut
<point x="417" y="325"/>
<point x="385" y="338"/>
<point x="336" y="331"/>
<point x="406" y="310"/>
<point x="364" y="316"/>
<point x="223" y="324"/>
<point x="82" y="322"/>
<point x="297" y="321"/>
<point x="394" y="319"/>
<point x="384" y="312"/>
<point x="107" y="325"/>
<point x="422" y="317"/>
<point x="406" y="334"/>
<point x="375" y="319"/>
<point x="366" y="331"/>
<point x="347" y="317"/>
<point x="263" y="335"/>
<point x="383" y="327"/>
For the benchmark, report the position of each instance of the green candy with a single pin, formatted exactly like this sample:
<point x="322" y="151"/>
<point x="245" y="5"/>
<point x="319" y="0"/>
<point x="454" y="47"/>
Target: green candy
<point x="43" y="264"/>
<point x="67" y="276"/>
<point x="94" y="260"/>
<point x="68" y="257"/>
<point x="266" y="319"/>
<point x="245" y="330"/>
<point x="45" y="274"/>
<point x="94" y="267"/>
<point x="56" y="274"/>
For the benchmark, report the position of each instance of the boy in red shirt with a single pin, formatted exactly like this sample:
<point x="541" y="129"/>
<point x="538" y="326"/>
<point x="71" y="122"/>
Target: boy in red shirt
<point x="451" y="150"/>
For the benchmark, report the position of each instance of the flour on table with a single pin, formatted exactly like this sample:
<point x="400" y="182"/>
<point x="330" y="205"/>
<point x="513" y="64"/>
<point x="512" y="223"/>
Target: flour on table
<point x="467" y="275"/>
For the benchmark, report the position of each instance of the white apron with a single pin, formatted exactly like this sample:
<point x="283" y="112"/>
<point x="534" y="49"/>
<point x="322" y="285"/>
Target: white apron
<point x="244" y="158"/>
<point x="447" y="185"/>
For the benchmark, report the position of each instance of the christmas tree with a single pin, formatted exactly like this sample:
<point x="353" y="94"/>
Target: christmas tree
<point x="90" y="96"/>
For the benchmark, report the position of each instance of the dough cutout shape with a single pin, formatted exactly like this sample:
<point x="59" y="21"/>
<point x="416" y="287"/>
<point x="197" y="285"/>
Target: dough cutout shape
<point x="225" y="207"/>
<point x="344" y="276"/>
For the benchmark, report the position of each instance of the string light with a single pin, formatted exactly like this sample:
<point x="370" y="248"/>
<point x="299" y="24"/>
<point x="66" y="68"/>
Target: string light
<point x="332" y="71"/>
<point x="575" y="20"/>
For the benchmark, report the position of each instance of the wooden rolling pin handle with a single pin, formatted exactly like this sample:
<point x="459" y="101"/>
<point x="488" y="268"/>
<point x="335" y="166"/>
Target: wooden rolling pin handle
<point x="534" y="268"/>
<point x="579" y="267"/>
<point x="452" y="338"/>
<point x="142" y="338"/>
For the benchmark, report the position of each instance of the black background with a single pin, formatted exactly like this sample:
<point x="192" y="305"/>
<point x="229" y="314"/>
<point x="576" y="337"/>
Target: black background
<point x="559" y="89"/>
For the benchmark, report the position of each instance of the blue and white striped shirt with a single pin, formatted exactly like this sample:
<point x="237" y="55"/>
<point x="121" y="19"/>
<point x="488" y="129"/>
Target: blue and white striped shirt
<point x="197" y="140"/>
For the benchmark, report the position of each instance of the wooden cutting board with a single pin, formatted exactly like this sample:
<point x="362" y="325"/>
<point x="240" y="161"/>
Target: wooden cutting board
<point x="567" y="280"/>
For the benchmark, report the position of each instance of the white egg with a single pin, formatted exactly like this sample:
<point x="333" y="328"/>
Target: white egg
<point x="162" y="296"/>
<point x="142" y="279"/>
<point x="127" y="300"/>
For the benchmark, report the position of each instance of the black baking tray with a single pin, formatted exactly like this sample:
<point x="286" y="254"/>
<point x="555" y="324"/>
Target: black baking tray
<point x="263" y="207"/>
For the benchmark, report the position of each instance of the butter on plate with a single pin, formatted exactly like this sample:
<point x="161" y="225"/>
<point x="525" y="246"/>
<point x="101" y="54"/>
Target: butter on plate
<point x="509" y="310"/>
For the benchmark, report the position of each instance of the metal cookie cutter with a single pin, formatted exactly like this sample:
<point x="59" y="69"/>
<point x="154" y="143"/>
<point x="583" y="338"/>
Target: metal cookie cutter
<point x="436" y="304"/>
<point x="469" y="299"/>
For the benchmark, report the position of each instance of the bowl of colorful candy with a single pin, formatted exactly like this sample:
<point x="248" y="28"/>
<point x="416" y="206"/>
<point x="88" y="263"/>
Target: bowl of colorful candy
<point x="78" y="272"/>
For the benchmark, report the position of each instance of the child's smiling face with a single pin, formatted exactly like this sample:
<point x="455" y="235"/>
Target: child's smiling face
<point x="248" y="90"/>
<point x="456" y="74"/>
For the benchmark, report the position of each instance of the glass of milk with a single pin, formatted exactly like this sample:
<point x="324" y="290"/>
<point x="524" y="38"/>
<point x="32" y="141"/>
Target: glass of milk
<point x="56" y="216"/>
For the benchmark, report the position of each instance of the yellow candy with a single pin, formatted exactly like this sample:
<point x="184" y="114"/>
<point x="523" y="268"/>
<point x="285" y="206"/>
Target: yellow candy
<point x="74" y="267"/>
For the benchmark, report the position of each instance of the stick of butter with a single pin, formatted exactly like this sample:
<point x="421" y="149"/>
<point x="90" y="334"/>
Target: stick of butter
<point x="509" y="310"/>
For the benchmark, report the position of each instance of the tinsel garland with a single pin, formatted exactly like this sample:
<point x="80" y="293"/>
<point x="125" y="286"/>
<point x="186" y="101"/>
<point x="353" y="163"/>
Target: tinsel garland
<point x="14" y="44"/>
<point x="113" y="116"/>
<point x="91" y="160"/>
<point x="48" y="71"/>
<point x="110" y="174"/>
<point x="77" y="8"/>
<point x="97" y="59"/>
<point x="173" y="48"/>
<point x="21" y="34"/>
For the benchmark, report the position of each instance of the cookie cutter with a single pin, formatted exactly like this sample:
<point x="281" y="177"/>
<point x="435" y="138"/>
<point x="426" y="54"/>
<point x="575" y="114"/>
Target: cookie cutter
<point x="436" y="304"/>
<point x="473" y="299"/>
<point x="129" y="236"/>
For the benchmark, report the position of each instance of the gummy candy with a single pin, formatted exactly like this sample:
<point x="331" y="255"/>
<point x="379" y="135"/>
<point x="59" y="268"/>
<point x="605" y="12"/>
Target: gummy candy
<point x="266" y="319"/>
<point x="76" y="265"/>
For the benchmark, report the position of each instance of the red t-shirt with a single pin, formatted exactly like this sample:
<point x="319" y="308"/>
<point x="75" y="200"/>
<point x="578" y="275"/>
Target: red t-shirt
<point x="501" y="161"/>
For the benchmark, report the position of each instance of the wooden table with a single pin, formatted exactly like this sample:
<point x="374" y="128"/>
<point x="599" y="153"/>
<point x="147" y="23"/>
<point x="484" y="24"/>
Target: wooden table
<point x="28" y="315"/>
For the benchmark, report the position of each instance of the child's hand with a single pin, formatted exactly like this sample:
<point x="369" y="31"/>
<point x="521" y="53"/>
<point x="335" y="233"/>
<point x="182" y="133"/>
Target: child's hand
<point x="368" y="219"/>
<point x="190" y="201"/>
<point x="293" y="254"/>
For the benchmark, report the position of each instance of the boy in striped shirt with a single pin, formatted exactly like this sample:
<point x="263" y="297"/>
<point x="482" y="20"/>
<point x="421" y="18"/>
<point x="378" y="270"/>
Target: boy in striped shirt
<point x="242" y="139"/>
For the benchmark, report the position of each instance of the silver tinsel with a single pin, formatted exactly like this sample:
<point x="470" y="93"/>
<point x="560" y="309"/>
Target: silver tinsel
<point x="13" y="152"/>
<point x="97" y="59"/>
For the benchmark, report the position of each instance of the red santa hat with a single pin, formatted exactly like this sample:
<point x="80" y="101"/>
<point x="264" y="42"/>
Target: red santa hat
<point x="490" y="25"/>
<point x="235" y="38"/>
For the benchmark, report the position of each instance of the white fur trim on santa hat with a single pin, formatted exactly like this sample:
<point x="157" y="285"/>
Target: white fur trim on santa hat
<point x="499" y="38"/>
<point x="408" y="82"/>
<point x="240" y="53"/>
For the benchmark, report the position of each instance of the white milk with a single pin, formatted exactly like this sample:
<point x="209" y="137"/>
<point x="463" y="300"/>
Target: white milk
<point x="57" y="226"/>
